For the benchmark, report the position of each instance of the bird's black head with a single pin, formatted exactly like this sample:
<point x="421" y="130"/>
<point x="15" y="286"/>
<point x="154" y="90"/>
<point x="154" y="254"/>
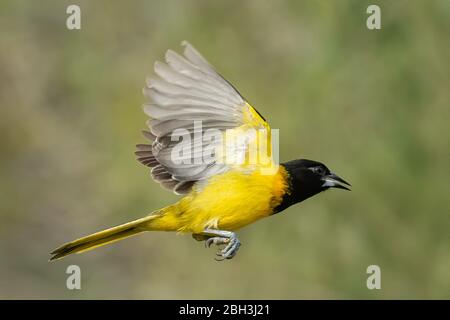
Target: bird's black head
<point x="308" y="178"/>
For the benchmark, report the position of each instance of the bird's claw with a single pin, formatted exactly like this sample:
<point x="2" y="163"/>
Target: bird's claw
<point x="216" y="240"/>
<point x="229" y="251"/>
<point x="221" y="237"/>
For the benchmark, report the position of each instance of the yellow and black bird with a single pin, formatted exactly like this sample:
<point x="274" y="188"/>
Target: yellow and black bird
<point x="188" y="101"/>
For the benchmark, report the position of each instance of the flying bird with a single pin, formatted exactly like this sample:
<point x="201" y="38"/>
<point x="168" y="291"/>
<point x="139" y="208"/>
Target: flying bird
<point x="225" y="190"/>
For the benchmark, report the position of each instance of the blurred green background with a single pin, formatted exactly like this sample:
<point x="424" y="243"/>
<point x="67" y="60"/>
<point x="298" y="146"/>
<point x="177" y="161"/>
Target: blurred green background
<point x="372" y="105"/>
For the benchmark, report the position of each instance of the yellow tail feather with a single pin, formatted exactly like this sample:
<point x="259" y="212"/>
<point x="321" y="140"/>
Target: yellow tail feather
<point x="104" y="237"/>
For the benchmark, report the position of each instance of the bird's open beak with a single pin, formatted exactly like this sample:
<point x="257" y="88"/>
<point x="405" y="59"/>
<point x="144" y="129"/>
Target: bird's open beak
<point x="334" y="181"/>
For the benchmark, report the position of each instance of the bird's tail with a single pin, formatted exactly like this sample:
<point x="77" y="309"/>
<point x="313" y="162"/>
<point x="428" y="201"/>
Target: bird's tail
<point x="111" y="235"/>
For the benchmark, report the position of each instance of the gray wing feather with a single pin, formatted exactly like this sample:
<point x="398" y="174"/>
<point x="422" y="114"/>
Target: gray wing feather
<point x="186" y="89"/>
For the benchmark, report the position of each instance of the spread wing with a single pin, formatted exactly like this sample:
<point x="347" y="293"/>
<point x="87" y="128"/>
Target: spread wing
<point x="189" y="100"/>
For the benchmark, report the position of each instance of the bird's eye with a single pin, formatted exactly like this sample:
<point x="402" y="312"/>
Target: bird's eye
<point x="319" y="170"/>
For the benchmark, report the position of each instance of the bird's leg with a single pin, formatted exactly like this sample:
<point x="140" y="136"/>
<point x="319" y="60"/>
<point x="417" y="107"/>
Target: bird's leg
<point x="200" y="237"/>
<point x="219" y="237"/>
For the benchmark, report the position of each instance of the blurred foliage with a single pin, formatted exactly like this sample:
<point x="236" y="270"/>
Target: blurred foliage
<point x="372" y="105"/>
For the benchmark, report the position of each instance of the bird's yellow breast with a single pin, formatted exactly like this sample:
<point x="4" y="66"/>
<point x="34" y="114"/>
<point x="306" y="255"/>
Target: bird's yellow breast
<point x="229" y="201"/>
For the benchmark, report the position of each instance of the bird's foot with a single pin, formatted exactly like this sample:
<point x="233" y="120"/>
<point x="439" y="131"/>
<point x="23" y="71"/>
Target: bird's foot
<point x="220" y="237"/>
<point x="230" y="250"/>
<point x="217" y="241"/>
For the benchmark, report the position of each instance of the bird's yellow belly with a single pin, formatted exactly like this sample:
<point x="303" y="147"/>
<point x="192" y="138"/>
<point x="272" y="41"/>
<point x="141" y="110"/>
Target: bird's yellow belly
<point x="231" y="201"/>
